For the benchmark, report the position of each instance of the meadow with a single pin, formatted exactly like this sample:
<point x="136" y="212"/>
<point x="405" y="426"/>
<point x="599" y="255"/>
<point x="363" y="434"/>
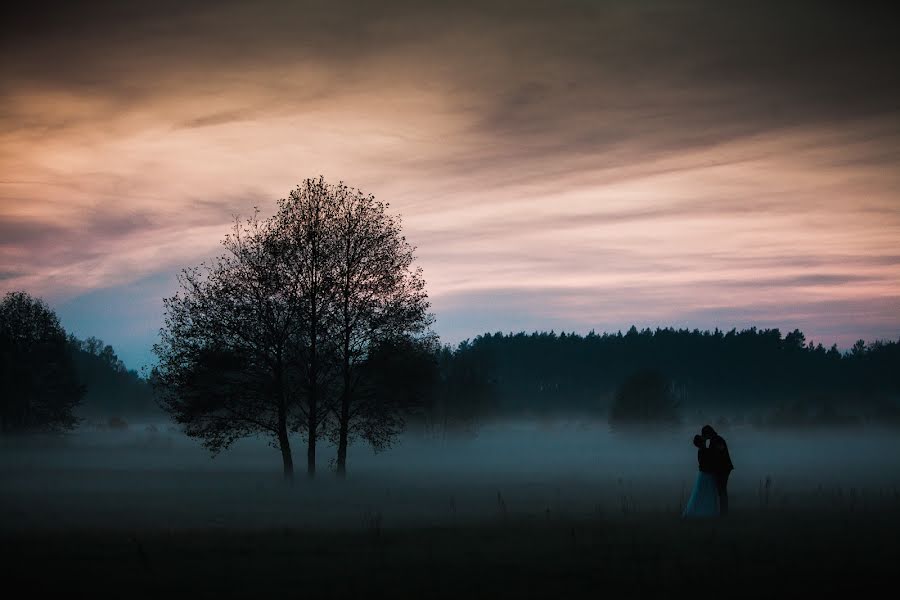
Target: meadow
<point x="514" y="510"/>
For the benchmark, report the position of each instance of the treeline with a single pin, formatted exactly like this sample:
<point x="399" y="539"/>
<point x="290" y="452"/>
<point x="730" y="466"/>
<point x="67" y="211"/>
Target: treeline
<point x="112" y="390"/>
<point x="757" y="373"/>
<point x="48" y="378"/>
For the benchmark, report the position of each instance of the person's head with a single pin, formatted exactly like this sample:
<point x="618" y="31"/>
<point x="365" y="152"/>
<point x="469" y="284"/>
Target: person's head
<point x="698" y="441"/>
<point x="707" y="432"/>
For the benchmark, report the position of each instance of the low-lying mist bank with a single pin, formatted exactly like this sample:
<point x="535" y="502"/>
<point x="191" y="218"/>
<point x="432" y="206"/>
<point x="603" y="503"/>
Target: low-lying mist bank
<point x="150" y="476"/>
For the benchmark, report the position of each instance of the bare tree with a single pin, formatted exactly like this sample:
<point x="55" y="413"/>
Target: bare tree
<point x="226" y="365"/>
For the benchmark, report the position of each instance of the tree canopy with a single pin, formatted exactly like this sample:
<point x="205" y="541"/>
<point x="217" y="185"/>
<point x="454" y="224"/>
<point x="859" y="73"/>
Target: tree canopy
<point x="40" y="386"/>
<point x="112" y="390"/>
<point x="751" y="371"/>
<point x="272" y="337"/>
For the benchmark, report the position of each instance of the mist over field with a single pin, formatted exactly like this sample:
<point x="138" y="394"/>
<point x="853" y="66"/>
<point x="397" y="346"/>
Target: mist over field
<point x="152" y="476"/>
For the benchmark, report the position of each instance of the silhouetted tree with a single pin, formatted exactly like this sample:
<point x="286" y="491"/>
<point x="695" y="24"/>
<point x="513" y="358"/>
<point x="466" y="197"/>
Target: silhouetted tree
<point x="227" y="350"/>
<point x="304" y="234"/>
<point x="795" y="341"/>
<point x="272" y="336"/>
<point x="39" y="388"/>
<point x="858" y="349"/>
<point x="379" y="299"/>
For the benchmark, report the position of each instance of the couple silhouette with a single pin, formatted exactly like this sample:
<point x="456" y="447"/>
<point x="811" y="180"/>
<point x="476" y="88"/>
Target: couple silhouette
<point x="709" y="497"/>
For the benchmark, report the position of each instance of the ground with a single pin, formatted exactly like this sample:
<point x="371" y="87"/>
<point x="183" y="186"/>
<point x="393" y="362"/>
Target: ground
<point x="755" y="553"/>
<point x="554" y="511"/>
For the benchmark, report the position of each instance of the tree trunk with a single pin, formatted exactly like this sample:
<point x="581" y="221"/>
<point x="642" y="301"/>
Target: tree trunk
<point x="311" y="442"/>
<point x="345" y="413"/>
<point x="311" y="450"/>
<point x="286" y="456"/>
<point x="284" y="441"/>
<point x="313" y="390"/>
<point x="344" y="434"/>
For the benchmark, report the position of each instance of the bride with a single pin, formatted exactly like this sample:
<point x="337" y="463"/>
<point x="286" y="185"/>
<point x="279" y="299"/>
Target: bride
<point x="704" y="500"/>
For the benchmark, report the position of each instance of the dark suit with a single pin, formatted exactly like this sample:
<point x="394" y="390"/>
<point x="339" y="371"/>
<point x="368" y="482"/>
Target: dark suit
<point x="720" y="466"/>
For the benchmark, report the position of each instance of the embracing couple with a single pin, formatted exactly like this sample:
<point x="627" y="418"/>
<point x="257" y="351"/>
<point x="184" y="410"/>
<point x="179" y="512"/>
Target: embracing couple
<point x="710" y="495"/>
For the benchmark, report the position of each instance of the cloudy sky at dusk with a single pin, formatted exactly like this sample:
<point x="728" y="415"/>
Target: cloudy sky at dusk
<point x="560" y="165"/>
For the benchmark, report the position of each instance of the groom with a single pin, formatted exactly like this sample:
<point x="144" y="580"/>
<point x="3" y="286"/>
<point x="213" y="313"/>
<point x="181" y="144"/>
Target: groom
<point x="719" y="463"/>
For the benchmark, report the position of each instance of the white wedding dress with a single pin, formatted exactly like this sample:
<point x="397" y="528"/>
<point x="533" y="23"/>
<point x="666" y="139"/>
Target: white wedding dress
<point x="704" y="500"/>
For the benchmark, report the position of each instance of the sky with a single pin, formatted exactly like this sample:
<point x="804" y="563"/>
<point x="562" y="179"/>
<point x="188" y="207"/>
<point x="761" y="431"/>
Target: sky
<point x="559" y="165"/>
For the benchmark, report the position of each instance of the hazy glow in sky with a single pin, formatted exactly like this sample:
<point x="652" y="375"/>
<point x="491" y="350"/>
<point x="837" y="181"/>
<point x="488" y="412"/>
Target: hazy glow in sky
<point x="565" y="165"/>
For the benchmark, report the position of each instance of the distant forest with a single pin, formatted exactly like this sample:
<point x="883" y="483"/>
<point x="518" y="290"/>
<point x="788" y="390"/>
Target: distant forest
<point x="50" y="380"/>
<point x="758" y="375"/>
<point x="753" y="375"/>
<point x="111" y="389"/>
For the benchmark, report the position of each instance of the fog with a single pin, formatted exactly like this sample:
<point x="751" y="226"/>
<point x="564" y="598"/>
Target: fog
<point x="152" y="476"/>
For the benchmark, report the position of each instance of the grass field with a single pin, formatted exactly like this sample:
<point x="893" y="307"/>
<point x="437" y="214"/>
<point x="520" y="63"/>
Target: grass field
<point x="573" y="512"/>
<point x="763" y="554"/>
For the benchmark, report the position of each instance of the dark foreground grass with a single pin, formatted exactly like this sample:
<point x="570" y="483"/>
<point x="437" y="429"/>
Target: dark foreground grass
<point x="753" y="554"/>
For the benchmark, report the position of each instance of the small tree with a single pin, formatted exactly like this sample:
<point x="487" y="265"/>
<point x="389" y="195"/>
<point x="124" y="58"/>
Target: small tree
<point x="646" y="397"/>
<point x="39" y="388"/>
